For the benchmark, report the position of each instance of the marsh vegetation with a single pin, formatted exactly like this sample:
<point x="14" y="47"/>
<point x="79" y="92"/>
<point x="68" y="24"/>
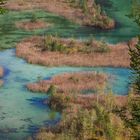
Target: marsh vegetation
<point x="55" y="51"/>
<point x="87" y="107"/>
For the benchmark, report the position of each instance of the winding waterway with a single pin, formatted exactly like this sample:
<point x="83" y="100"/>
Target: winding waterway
<point x="23" y="112"/>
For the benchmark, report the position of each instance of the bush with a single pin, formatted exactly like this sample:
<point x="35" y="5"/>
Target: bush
<point x="59" y="101"/>
<point x="52" y="90"/>
<point x="53" y="44"/>
<point x="33" y="17"/>
<point x="103" y="47"/>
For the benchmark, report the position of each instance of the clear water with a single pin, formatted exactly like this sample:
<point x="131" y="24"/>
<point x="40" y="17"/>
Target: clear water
<point x="22" y="112"/>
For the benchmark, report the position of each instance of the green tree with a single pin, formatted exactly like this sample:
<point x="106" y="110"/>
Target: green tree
<point x="135" y="12"/>
<point x="52" y="90"/>
<point x="135" y="52"/>
<point x="135" y="66"/>
<point x="132" y="111"/>
<point x="2" y="9"/>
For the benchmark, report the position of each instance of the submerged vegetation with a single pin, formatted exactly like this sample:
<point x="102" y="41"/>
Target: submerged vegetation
<point x="29" y="25"/>
<point x="33" y="24"/>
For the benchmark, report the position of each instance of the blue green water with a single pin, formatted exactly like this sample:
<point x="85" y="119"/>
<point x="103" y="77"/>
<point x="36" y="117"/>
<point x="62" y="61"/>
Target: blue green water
<point x="23" y="112"/>
<point x="125" y="28"/>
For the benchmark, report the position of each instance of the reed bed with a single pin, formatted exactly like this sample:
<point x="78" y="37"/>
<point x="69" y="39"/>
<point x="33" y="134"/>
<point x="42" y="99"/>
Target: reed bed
<point x="94" y="16"/>
<point x="71" y="83"/>
<point x="1" y="75"/>
<point x="117" y="56"/>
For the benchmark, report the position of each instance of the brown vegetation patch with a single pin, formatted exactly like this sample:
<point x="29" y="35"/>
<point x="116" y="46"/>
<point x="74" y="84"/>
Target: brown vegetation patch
<point x="1" y="75"/>
<point x="28" y="25"/>
<point x="117" y="56"/>
<point x="78" y="110"/>
<point x="70" y="87"/>
<point x="71" y="83"/>
<point x="1" y="72"/>
<point x="68" y="10"/>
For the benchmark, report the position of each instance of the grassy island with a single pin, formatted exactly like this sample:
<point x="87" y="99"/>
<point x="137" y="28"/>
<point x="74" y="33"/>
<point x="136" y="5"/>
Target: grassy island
<point x="84" y="12"/>
<point x="55" y="51"/>
<point x="71" y="83"/>
<point x="84" y="116"/>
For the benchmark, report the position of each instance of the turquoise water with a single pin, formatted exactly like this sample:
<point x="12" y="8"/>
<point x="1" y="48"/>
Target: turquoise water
<point x="23" y="112"/>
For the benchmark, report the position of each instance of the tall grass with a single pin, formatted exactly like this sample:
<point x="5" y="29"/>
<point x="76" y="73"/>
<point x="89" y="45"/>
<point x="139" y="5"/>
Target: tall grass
<point x="73" y="53"/>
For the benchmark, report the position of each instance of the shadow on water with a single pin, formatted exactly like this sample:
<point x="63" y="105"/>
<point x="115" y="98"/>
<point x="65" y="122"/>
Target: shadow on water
<point x="38" y="102"/>
<point x="105" y="3"/>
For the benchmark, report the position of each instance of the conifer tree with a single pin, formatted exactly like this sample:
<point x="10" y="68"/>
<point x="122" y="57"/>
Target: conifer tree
<point x="2" y="9"/>
<point x="135" y="52"/>
<point x="133" y="121"/>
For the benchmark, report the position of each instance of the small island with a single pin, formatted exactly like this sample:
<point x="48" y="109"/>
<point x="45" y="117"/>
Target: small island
<point x="32" y="25"/>
<point x="55" y="51"/>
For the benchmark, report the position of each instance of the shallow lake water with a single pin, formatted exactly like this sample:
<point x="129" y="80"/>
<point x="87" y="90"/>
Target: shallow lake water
<point x="23" y="112"/>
